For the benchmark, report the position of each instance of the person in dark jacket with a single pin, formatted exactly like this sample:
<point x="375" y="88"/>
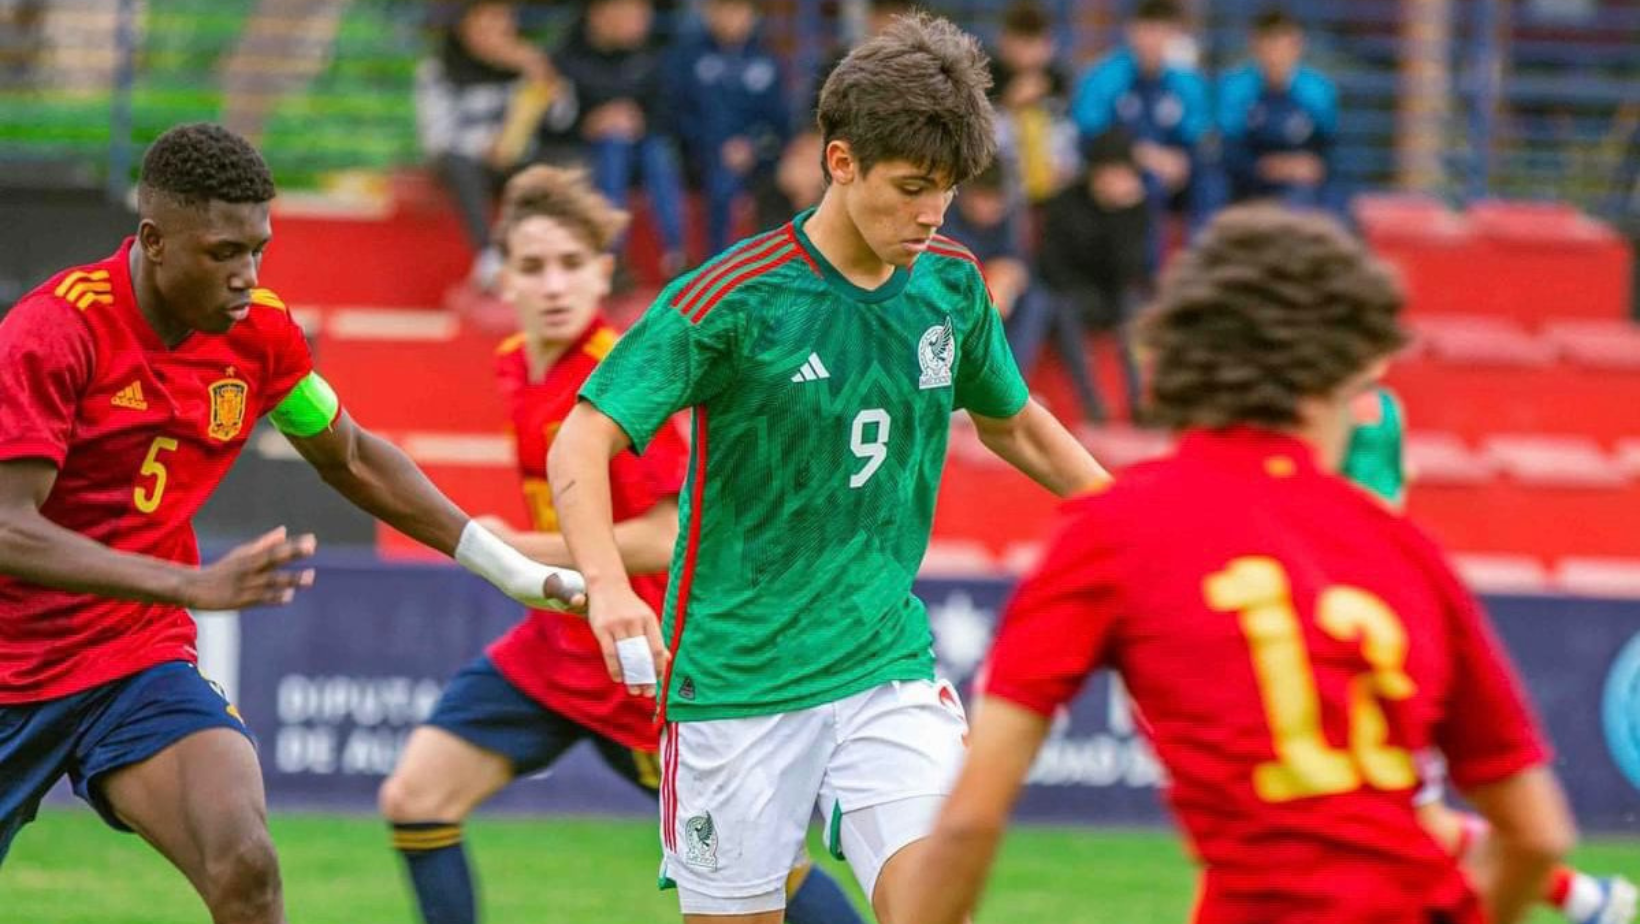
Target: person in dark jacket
<point x="616" y="64"/>
<point x="729" y="105"/>
<point x="1278" y="119"/>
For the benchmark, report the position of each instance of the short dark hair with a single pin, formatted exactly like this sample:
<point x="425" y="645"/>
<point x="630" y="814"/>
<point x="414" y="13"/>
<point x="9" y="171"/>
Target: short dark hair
<point x="203" y="162"/>
<point x="893" y="6"/>
<point x="1275" y="19"/>
<point x="1268" y="307"/>
<point x="915" y="93"/>
<point x="564" y="195"/>
<point x="1157" y="11"/>
<point x="1027" y="18"/>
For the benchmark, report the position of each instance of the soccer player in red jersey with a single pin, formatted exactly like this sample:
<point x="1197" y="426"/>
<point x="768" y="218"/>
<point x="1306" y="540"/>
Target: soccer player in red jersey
<point x="543" y="687"/>
<point x="127" y="388"/>
<point x="1291" y="642"/>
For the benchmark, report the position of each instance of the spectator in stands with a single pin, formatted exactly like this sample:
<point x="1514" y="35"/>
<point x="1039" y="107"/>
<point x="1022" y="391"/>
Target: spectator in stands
<point x="983" y="219"/>
<point x="463" y="92"/>
<point x="615" y="61"/>
<point x="797" y="183"/>
<point x="729" y="105"/>
<point x="1031" y="91"/>
<point x="1091" y="265"/>
<point x="1162" y="104"/>
<point x="1278" y="119"/>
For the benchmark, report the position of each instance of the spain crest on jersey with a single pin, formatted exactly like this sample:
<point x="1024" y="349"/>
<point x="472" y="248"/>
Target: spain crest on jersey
<point x="227" y="408"/>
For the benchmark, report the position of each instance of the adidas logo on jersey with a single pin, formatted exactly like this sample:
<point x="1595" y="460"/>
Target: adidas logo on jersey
<point x="131" y="397"/>
<point x="812" y="370"/>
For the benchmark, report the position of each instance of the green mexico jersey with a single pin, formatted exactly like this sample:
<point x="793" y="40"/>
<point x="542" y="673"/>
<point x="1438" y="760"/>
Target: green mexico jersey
<point x="1374" y="458"/>
<point x="819" y="424"/>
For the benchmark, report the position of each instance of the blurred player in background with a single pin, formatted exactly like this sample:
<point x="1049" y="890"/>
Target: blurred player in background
<point x="1375" y="460"/>
<point x="127" y="389"/>
<point x="822" y="362"/>
<point x="1291" y="643"/>
<point x="543" y="687"/>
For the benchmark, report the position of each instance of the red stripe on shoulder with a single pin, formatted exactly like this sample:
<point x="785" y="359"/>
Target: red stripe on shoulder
<point x="715" y="269"/>
<point x="757" y="270"/>
<point x="791" y="235"/>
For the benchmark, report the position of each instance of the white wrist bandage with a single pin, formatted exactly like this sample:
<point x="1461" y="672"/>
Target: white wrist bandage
<point x="486" y="555"/>
<point x="637" y="665"/>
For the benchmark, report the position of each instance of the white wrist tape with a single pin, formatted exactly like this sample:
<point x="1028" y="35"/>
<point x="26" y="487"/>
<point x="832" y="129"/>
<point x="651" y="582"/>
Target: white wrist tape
<point x="488" y="556"/>
<point x="637" y="665"/>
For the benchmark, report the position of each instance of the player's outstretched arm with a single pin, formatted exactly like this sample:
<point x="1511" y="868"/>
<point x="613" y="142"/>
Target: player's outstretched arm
<point x="1037" y="444"/>
<point x="1532" y="829"/>
<point x="645" y="541"/>
<point x="952" y="871"/>
<point x="381" y="480"/>
<point x="39" y="551"/>
<point x="578" y="468"/>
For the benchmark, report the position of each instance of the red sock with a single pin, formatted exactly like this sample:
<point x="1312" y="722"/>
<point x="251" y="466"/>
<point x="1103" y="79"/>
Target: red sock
<point x="1560" y="886"/>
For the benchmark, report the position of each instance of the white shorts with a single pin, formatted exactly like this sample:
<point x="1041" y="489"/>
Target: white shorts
<point x="737" y="794"/>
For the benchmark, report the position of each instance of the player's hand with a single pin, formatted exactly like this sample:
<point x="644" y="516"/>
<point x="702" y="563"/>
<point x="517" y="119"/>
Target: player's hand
<point x="253" y="574"/>
<point x="616" y="614"/>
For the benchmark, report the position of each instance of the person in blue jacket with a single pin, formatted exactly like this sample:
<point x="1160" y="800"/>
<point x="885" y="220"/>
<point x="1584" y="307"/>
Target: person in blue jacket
<point x="1278" y="120"/>
<point x="729" y="105"/>
<point x="1161" y="104"/>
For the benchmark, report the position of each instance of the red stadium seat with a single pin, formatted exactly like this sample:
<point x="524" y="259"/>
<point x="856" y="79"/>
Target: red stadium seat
<point x="1597" y="344"/>
<point x="1555" y="461"/>
<point x="1444" y="458"/>
<point x="1021" y="557"/>
<point x="1628" y="457"/>
<point x="1502" y="573"/>
<point x="1119" y="446"/>
<point x="1599" y="577"/>
<point x="1482" y="340"/>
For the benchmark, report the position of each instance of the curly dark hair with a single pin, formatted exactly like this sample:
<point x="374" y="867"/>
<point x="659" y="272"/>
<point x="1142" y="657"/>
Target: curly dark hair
<point x="914" y="93"/>
<point x="203" y="162"/>
<point x="1268" y="307"/>
<point x="564" y="195"/>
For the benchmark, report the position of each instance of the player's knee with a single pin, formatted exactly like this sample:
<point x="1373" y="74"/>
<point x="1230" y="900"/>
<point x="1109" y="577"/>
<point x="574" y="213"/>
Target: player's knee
<point x="242" y="882"/>
<point x="403" y="798"/>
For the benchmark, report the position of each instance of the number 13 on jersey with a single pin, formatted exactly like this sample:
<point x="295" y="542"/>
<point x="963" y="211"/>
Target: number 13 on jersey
<point x="1255" y="589"/>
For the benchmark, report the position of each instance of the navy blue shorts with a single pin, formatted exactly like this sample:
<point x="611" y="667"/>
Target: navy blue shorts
<point x="92" y="732"/>
<point x="484" y="709"/>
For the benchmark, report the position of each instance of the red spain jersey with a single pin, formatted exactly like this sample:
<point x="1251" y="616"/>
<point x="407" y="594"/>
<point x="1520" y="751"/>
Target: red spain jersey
<point x="554" y="657"/>
<point x="1292" y="644"/>
<point x="141" y="435"/>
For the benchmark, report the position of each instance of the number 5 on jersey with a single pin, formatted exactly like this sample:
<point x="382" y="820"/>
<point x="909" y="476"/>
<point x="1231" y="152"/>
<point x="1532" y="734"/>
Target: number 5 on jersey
<point x="147" y="496"/>
<point x="869" y="440"/>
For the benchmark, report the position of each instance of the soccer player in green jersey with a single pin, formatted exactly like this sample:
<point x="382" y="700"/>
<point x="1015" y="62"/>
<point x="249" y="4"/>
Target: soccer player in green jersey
<point x="821" y="363"/>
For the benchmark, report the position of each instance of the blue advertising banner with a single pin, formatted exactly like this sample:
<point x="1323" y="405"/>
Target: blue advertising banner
<point x="333" y="684"/>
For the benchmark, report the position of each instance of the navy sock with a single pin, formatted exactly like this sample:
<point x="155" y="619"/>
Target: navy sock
<point x="820" y="900"/>
<point x="438" y="869"/>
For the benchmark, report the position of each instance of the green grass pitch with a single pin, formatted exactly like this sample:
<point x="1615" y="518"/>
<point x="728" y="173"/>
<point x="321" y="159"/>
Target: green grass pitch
<point x="68" y="869"/>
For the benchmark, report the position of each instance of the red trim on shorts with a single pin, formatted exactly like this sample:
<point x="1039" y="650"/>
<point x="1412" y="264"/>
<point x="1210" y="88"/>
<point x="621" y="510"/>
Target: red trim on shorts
<point x="669" y="789"/>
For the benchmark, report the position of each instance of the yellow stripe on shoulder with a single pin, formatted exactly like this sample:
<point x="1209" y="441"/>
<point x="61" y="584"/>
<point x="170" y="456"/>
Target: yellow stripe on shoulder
<point x="511" y="345"/>
<point x="599" y="345"/>
<point x="267" y="299"/>
<point x="83" y="288"/>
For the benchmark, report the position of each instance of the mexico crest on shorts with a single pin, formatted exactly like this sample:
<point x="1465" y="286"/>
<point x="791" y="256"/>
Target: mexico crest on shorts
<point x="227" y="408"/>
<point x="700" y="842"/>
<point x="936" y="351"/>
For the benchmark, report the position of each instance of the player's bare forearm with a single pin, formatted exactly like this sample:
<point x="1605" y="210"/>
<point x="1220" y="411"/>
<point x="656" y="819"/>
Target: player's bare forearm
<point x="378" y="478"/>
<point x="645" y="542"/>
<point x="34" y="549"/>
<point x="578" y="470"/>
<point x="1037" y="444"/>
<point x="952" y="874"/>
<point x="1532" y="829"/>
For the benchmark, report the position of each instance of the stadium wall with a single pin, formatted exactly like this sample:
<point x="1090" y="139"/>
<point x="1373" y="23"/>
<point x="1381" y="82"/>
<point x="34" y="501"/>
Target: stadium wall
<point x="332" y="684"/>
